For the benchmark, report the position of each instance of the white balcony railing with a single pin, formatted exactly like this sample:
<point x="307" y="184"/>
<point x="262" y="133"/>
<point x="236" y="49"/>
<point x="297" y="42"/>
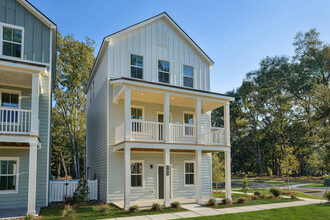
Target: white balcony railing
<point x="213" y="135"/>
<point x="147" y="131"/>
<point x="17" y="121"/>
<point x="182" y="133"/>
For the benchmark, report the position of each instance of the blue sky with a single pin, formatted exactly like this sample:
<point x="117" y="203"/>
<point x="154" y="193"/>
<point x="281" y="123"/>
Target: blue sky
<point x="235" y="34"/>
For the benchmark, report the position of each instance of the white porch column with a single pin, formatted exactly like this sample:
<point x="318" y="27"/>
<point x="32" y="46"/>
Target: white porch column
<point x="32" y="178"/>
<point x="167" y="173"/>
<point x="199" y="189"/>
<point x="127" y="109"/>
<point x="228" y="174"/>
<point x="227" y="122"/>
<point x="35" y="104"/>
<point x="167" y="117"/>
<point x="127" y="184"/>
<point x="198" y="110"/>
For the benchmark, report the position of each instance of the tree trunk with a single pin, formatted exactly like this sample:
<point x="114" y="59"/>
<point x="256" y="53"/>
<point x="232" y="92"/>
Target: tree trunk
<point x="63" y="164"/>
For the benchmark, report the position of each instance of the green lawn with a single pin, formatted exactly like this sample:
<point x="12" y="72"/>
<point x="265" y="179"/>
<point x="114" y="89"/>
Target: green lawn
<point x="319" y="211"/>
<point x="316" y="185"/>
<point x="266" y="182"/>
<point x="92" y="212"/>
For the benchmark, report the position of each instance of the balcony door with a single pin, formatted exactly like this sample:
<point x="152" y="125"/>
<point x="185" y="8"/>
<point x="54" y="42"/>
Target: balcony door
<point x="161" y="120"/>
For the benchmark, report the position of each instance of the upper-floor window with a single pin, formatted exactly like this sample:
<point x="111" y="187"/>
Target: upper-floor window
<point x="136" y="66"/>
<point x="9" y="99"/>
<point x="8" y="174"/>
<point x="163" y="71"/>
<point x="137" y="113"/>
<point x="188" y="119"/>
<point x="12" y="42"/>
<point x="188" y="76"/>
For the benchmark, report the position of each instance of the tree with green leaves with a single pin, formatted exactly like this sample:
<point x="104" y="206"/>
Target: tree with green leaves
<point x="75" y="60"/>
<point x="245" y="186"/>
<point x="218" y="168"/>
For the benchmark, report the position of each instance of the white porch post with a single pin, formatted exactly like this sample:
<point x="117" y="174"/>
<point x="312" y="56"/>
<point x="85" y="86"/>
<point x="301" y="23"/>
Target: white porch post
<point x="198" y="110"/>
<point x="35" y="104"/>
<point x="32" y="178"/>
<point x="198" y="184"/>
<point x="228" y="174"/>
<point x="127" y="109"/>
<point x="167" y="117"/>
<point x="167" y="177"/>
<point x="127" y="184"/>
<point x="227" y="122"/>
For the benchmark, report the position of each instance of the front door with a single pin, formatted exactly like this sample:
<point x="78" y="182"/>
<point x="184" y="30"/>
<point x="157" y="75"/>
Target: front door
<point x="160" y="118"/>
<point x="161" y="182"/>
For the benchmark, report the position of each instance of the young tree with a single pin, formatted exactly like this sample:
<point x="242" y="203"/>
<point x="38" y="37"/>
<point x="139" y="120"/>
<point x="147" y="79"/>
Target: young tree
<point x="289" y="164"/>
<point x="75" y="60"/>
<point x="245" y="186"/>
<point x="218" y="169"/>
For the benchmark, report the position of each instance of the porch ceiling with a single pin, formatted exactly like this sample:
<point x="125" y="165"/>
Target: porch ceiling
<point x="15" y="78"/>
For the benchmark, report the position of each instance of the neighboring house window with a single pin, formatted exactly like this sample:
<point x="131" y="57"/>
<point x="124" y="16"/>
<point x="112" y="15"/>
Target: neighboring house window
<point x="136" y="174"/>
<point x="188" y="76"/>
<point x="136" y="66"/>
<point x="163" y="71"/>
<point x="9" y="100"/>
<point x="136" y="114"/>
<point x="188" y="118"/>
<point x="189" y="173"/>
<point x="8" y="174"/>
<point x="11" y="42"/>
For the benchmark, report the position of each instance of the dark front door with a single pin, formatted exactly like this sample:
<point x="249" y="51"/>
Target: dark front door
<point x="160" y="182"/>
<point x="160" y="127"/>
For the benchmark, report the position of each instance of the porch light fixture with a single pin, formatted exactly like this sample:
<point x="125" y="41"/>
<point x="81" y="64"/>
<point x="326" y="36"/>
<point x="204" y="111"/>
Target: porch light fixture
<point x="172" y="98"/>
<point x="141" y="94"/>
<point x="151" y="166"/>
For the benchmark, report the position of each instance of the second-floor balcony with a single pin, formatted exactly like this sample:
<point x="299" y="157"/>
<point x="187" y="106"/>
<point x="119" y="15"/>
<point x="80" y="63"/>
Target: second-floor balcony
<point x="147" y="117"/>
<point x="15" y="121"/>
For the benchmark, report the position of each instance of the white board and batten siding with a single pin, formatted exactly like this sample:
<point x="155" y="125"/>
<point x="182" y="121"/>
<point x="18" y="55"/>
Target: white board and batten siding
<point x="155" y="41"/>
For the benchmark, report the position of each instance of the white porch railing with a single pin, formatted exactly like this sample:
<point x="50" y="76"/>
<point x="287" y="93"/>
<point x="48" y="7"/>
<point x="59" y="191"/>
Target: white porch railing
<point x="16" y="121"/>
<point x="213" y="135"/>
<point x="120" y="133"/>
<point x="58" y="189"/>
<point x="182" y="133"/>
<point x="147" y="130"/>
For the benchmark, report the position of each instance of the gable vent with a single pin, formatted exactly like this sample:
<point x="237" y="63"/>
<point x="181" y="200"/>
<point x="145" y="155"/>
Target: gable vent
<point x="163" y="38"/>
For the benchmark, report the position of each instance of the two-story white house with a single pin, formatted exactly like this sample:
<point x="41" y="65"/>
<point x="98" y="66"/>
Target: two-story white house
<point x="149" y="134"/>
<point x="27" y="70"/>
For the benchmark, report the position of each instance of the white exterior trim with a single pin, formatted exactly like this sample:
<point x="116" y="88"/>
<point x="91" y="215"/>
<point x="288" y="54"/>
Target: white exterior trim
<point x="11" y="91"/>
<point x="17" y="176"/>
<point x="138" y="187"/>
<point x="2" y="25"/>
<point x="184" y="171"/>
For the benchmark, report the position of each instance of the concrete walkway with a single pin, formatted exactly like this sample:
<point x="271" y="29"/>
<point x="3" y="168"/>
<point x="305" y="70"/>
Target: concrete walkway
<point x="196" y="210"/>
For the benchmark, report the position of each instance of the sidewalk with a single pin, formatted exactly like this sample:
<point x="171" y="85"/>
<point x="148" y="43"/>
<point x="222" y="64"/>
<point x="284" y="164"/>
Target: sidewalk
<point x="196" y="210"/>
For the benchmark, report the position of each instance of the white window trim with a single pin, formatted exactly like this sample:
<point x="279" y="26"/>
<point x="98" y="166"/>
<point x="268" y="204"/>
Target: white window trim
<point x="184" y="169"/>
<point x="17" y="175"/>
<point x="138" y="106"/>
<point x="183" y="76"/>
<point x="11" y="91"/>
<point x="130" y="65"/>
<point x="137" y="187"/>
<point x="1" y="40"/>
<point x="169" y="73"/>
<point x="194" y="124"/>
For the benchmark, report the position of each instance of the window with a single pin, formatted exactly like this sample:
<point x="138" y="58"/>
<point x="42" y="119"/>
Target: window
<point x="12" y="42"/>
<point x="163" y="71"/>
<point x="136" y="174"/>
<point x="136" y="114"/>
<point x="188" y="76"/>
<point x="8" y="174"/>
<point x="136" y="66"/>
<point x="189" y="171"/>
<point x="188" y="118"/>
<point x="9" y="99"/>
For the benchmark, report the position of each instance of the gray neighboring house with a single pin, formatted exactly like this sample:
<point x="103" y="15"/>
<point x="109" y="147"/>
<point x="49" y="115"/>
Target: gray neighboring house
<point x="149" y="134"/>
<point x="27" y="72"/>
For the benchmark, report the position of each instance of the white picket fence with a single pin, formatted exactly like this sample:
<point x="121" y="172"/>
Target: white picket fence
<point x="58" y="189"/>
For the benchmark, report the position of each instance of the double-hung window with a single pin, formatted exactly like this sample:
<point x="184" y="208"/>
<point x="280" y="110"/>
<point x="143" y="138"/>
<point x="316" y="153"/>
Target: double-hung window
<point x="189" y="173"/>
<point x="188" y="76"/>
<point x="8" y="174"/>
<point x="136" y="174"/>
<point x="9" y="101"/>
<point x="189" y="121"/>
<point x="136" y="66"/>
<point x="136" y="115"/>
<point x="163" y="71"/>
<point x="12" y="42"/>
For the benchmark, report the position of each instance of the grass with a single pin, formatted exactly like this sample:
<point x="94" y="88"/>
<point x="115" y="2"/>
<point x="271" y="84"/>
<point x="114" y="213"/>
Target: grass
<point x="92" y="212"/>
<point x="316" y="185"/>
<point x="307" y="212"/>
<point x="266" y="182"/>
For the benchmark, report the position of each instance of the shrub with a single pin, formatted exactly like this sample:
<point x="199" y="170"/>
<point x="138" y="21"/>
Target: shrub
<point x="286" y="193"/>
<point x="29" y="217"/>
<point x="242" y="200"/>
<point x="275" y="192"/>
<point x="293" y="196"/>
<point x="271" y="196"/>
<point x="212" y="202"/>
<point x="81" y="194"/>
<point x="327" y="195"/>
<point x="68" y="200"/>
<point x="245" y="186"/>
<point x="69" y="212"/>
<point x="254" y="197"/>
<point x="257" y="193"/>
<point x="104" y="209"/>
<point x="226" y="201"/>
<point x="262" y="196"/>
<point x="176" y="205"/>
<point x="134" y="208"/>
<point x="157" y="207"/>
